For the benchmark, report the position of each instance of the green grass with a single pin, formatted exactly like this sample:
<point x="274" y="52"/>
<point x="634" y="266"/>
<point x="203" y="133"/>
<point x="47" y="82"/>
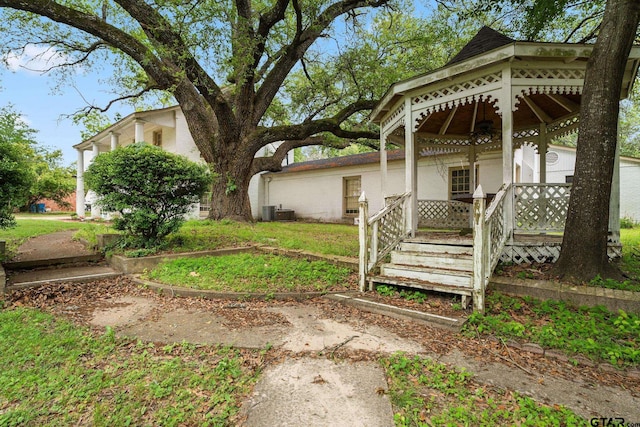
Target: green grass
<point x="425" y="393"/>
<point x="250" y="272"/>
<point x="328" y="239"/>
<point x="53" y="373"/>
<point x="27" y="228"/>
<point x="592" y="331"/>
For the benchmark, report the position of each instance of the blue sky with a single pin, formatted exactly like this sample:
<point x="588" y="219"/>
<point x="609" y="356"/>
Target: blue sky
<point x="43" y="107"/>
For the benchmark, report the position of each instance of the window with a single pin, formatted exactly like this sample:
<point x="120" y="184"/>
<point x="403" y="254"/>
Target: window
<point x="351" y="191"/>
<point x="460" y="181"/>
<point x="157" y="138"/>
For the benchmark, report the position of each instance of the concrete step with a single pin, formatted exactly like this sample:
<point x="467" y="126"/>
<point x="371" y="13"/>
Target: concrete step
<point x="458" y="262"/>
<point x="22" y="279"/>
<point x="63" y="261"/>
<point x="419" y="246"/>
<point x="361" y="302"/>
<point x="421" y="284"/>
<point x="445" y="277"/>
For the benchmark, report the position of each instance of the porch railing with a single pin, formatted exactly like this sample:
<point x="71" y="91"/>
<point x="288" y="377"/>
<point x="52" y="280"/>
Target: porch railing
<point x="540" y="207"/>
<point x="444" y="214"/>
<point x="490" y="234"/>
<point x="381" y="233"/>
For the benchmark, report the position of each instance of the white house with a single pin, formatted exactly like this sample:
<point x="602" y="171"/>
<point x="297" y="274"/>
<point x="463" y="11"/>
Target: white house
<point x="165" y="128"/>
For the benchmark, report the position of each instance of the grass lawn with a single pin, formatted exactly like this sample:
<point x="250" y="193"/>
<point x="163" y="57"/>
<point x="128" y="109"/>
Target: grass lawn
<point x="250" y="272"/>
<point x="53" y="373"/>
<point x="591" y="331"/>
<point x="427" y="393"/>
<point x="30" y="227"/>
<point x="328" y="239"/>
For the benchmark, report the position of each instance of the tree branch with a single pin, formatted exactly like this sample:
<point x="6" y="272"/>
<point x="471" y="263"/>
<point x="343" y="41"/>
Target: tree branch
<point x="296" y="50"/>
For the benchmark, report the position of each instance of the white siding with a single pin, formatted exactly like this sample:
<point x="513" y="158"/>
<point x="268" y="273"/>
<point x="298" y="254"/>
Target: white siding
<point x="318" y="194"/>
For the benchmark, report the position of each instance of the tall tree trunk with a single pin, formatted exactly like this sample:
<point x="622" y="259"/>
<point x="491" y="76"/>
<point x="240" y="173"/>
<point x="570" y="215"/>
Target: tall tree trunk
<point x="230" y="190"/>
<point x="584" y="245"/>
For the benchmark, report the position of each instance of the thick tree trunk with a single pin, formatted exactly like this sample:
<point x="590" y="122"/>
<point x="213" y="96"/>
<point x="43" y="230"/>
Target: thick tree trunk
<point x="230" y="191"/>
<point x="584" y="246"/>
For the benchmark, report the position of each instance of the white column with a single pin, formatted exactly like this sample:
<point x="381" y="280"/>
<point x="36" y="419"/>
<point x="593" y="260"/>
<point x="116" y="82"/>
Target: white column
<point x="95" y="211"/>
<point x="614" y="202"/>
<point x="383" y="166"/>
<point x="471" y="154"/>
<point x="114" y="140"/>
<point x="139" y="131"/>
<point x="80" y="184"/>
<point x="410" y="168"/>
<point x="505" y="104"/>
<point x="543" y="145"/>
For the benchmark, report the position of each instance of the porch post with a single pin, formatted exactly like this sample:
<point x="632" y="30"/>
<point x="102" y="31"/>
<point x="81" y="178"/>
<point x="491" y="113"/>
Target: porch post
<point x="139" y="131"/>
<point x="471" y="153"/>
<point x="410" y="168"/>
<point x="480" y="248"/>
<point x="80" y="183"/>
<point x="506" y="103"/>
<point x="383" y="166"/>
<point x="543" y="145"/>
<point x="95" y="210"/>
<point x="363" y="218"/>
<point x="614" y="203"/>
<point x="114" y="140"/>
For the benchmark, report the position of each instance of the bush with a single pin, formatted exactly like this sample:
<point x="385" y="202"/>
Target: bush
<point x="627" y="222"/>
<point x="151" y="189"/>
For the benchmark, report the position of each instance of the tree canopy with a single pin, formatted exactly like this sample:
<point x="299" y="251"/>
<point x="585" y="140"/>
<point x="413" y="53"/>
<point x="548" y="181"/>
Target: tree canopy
<point x="246" y="74"/>
<point x="16" y="175"/>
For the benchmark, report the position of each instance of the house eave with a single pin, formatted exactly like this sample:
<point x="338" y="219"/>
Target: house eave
<point x="119" y="125"/>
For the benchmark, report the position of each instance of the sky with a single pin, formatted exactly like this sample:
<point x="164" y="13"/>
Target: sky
<point x="43" y="106"/>
<point x="34" y="95"/>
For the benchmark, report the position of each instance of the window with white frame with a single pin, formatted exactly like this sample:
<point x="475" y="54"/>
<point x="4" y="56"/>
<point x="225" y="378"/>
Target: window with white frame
<point x="460" y="181"/>
<point x="351" y="190"/>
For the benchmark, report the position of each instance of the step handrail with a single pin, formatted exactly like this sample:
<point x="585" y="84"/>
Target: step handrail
<point x="381" y="233"/>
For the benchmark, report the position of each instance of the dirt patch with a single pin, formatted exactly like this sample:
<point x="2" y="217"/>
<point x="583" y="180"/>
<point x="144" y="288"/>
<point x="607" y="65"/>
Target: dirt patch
<point x="122" y="311"/>
<point x="54" y="245"/>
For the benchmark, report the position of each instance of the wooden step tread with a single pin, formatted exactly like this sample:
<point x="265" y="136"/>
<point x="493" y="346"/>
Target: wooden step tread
<point x="421" y="284"/>
<point x="467" y="255"/>
<point x="425" y="269"/>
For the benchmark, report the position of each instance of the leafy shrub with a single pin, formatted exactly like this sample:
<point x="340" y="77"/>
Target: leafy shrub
<point x="626" y="222"/>
<point x="151" y="189"/>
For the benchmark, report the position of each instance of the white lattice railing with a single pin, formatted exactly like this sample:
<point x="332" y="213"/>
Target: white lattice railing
<point x="497" y="227"/>
<point x="444" y="214"/>
<point x="490" y="233"/>
<point x="540" y="207"/>
<point x="379" y="234"/>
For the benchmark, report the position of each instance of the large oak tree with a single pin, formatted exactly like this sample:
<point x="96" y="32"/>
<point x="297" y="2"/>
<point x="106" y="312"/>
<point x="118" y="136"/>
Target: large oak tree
<point x="245" y="73"/>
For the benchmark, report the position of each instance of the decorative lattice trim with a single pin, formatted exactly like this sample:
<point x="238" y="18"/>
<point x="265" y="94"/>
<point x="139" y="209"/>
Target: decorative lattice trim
<point x="396" y="116"/>
<point x="444" y="214"/>
<point x="541" y="207"/>
<point x="557" y="73"/>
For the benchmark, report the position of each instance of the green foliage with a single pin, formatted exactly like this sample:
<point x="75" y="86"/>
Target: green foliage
<point x="626" y="222"/>
<point x="424" y="392"/>
<point x="16" y="174"/>
<point x="151" y="190"/>
<point x="594" y="332"/>
<point x="386" y="290"/>
<point x="251" y="272"/>
<point x="53" y="373"/>
<point x="52" y="180"/>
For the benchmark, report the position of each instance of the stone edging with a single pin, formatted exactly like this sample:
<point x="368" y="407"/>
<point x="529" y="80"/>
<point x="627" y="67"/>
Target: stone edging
<point x="613" y="299"/>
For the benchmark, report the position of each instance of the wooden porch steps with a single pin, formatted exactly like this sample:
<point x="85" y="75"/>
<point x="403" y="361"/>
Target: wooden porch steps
<point x="430" y="264"/>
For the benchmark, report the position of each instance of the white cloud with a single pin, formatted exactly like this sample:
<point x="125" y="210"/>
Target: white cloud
<point x="34" y="59"/>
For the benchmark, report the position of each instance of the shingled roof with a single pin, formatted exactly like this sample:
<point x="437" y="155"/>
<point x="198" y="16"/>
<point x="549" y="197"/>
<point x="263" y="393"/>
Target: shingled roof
<point x="336" y="162"/>
<point x="485" y="40"/>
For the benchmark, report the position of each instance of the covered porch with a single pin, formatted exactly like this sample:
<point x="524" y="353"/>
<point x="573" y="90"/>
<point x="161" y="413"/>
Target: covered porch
<point x="496" y="96"/>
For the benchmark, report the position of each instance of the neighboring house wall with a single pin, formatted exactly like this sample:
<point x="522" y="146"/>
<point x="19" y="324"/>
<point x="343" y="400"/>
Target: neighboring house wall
<point x="317" y="193"/>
